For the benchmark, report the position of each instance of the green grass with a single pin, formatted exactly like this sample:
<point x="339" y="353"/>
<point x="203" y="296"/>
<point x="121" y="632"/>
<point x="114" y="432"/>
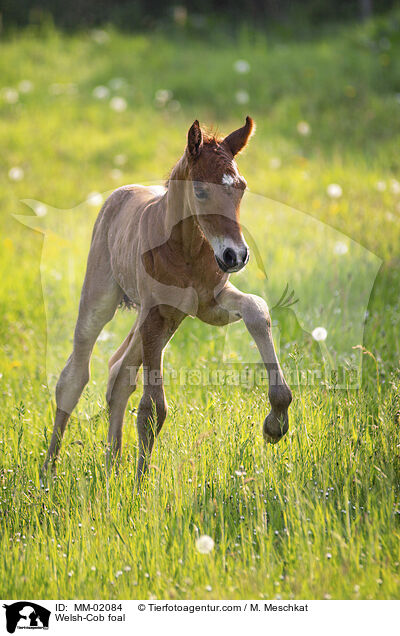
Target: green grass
<point x="316" y="516"/>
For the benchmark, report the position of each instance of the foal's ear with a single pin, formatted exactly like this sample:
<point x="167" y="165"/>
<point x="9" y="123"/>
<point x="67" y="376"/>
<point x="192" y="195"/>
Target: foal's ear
<point x="195" y="139"/>
<point x="237" y="140"/>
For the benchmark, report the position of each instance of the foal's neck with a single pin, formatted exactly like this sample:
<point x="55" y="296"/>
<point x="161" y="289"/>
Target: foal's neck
<point x="180" y="220"/>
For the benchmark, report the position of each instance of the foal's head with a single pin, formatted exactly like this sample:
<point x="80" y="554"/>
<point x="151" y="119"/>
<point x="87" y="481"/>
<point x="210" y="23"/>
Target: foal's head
<point x="215" y="191"/>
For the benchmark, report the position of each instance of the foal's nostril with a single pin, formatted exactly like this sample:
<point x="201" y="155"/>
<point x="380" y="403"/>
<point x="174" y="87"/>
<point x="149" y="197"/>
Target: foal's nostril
<point x="229" y="257"/>
<point x="245" y="256"/>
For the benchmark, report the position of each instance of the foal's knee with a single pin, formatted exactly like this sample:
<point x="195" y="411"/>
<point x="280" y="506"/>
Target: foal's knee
<point x="256" y="315"/>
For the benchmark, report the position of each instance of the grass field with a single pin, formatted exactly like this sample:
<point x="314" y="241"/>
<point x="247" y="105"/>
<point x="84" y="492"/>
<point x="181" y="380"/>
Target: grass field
<point x="316" y="516"/>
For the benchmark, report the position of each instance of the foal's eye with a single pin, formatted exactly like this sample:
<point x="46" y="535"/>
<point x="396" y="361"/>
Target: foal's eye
<point x="200" y="192"/>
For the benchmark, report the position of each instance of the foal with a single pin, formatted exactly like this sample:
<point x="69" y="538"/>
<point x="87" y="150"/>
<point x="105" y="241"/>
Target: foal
<point x="170" y="252"/>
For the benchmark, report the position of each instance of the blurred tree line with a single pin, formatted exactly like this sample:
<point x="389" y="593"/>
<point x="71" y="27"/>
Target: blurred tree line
<point x="134" y="14"/>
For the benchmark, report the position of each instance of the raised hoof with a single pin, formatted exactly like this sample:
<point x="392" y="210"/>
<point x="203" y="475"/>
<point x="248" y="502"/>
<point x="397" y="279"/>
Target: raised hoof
<point x="275" y="427"/>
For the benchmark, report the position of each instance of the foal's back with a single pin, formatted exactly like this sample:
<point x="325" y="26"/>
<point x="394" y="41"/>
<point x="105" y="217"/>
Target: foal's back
<point x="125" y="228"/>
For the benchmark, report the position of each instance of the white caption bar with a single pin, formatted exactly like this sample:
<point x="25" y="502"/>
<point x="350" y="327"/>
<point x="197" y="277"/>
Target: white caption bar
<point x="194" y="617"/>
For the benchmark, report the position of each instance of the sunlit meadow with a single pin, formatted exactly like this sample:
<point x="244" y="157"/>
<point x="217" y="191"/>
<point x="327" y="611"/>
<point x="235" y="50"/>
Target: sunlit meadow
<point x="220" y="515"/>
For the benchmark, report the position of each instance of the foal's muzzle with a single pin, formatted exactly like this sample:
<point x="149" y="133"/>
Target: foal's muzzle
<point x="232" y="260"/>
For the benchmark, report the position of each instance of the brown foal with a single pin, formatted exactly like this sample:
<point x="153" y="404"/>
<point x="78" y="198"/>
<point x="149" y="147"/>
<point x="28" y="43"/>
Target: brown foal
<point x="170" y="251"/>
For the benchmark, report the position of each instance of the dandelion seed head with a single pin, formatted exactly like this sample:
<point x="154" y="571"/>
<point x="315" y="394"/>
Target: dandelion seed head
<point x="303" y="128"/>
<point x="56" y="89"/>
<point x="116" y="174"/>
<point x="16" y="173"/>
<point x="340" y="248"/>
<point x="319" y="334"/>
<point x="334" y="191"/>
<point x="101" y="92"/>
<point x="95" y="199"/>
<point x="10" y="95"/>
<point x="242" y="97"/>
<point x="119" y="104"/>
<point x="116" y="83"/>
<point x="174" y="106"/>
<point x="241" y="66"/>
<point x="163" y="96"/>
<point x="120" y="160"/>
<point x="25" y="86"/>
<point x="100" y="36"/>
<point x="275" y="163"/>
<point x="40" y="209"/>
<point x="204" y="544"/>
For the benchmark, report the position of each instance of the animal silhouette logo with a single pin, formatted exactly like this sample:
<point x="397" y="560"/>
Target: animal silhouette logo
<point x="330" y="274"/>
<point x="26" y="615"/>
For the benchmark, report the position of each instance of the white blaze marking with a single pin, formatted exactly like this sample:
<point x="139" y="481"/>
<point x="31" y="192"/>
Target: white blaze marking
<point x="228" y="180"/>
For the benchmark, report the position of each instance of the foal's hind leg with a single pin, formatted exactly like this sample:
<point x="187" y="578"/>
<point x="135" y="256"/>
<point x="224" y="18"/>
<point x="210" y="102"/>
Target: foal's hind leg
<point x="124" y="366"/>
<point x="155" y="331"/>
<point x="99" y="300"/>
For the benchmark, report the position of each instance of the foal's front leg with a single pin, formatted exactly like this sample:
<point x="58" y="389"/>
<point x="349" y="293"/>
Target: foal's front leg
<point x="254" y="312"/>
<point x="156" y="330"/>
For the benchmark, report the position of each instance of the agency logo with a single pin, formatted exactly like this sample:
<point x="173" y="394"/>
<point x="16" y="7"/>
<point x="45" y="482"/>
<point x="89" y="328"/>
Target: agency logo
<point x="26" y="615"/>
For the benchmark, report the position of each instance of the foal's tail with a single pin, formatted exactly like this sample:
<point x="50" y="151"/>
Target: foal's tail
<point x="122" y="348"/>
